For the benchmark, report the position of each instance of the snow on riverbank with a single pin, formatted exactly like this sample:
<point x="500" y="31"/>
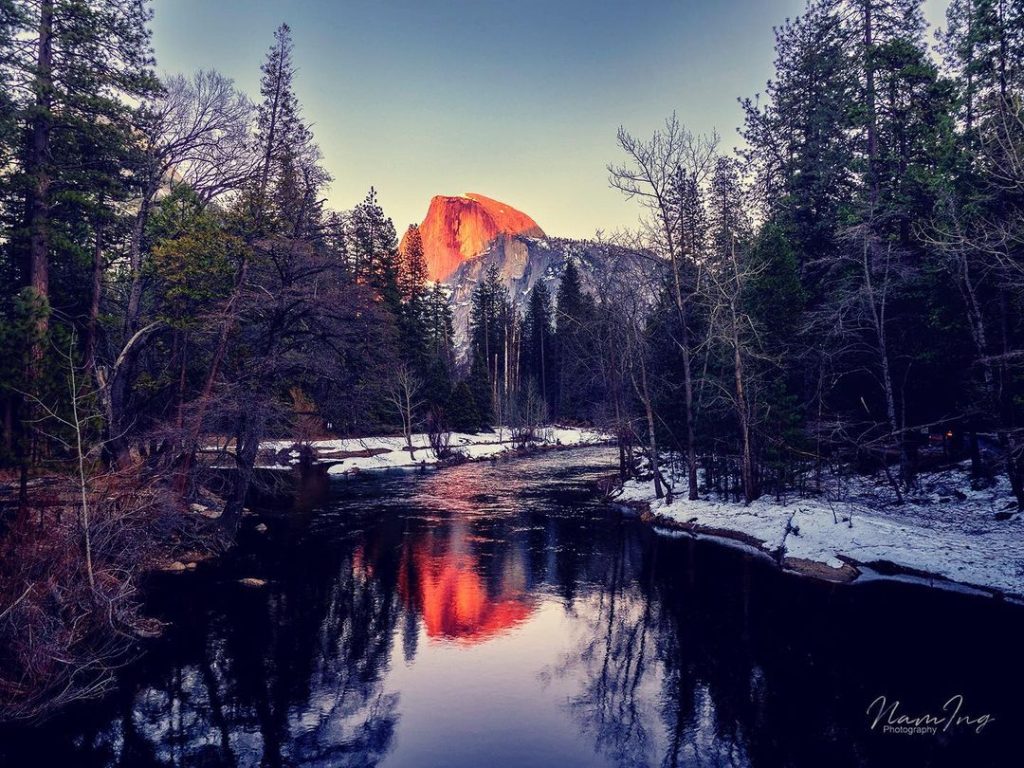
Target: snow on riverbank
<point x="946" y="529"/>
<point x="371" y="453"/>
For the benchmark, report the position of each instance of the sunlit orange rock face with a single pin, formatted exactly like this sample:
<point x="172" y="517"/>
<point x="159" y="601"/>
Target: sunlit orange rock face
<point x="459" y="228"/>
<point x="446" y="586"/>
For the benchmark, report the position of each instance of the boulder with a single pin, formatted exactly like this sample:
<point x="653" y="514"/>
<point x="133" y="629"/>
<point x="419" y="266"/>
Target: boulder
<point x="211" y="513"/>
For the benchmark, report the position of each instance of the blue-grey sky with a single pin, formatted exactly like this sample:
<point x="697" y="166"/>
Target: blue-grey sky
<point x="519" y="101"/>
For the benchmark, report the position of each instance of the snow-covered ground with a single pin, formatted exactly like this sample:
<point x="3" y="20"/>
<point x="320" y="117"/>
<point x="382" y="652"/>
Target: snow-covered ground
<point x="946" y="528"/>
<point x="370" y="453"/>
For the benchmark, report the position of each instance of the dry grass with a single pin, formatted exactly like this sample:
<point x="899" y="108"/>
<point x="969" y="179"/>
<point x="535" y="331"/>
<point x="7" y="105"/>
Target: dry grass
<point x="62" y="638"/>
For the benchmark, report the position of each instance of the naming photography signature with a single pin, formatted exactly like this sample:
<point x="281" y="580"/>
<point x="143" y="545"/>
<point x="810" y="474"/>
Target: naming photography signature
<point x="887" y="717"/>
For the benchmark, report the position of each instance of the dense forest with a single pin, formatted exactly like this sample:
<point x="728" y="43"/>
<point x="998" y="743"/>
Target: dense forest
<point x="845" y="290"/>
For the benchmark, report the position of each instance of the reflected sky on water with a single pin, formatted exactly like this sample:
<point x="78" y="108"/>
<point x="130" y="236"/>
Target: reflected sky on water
<point x="500" y="615"/>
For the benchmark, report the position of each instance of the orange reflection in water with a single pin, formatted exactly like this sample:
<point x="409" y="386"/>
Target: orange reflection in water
<point x="443" y="580"/>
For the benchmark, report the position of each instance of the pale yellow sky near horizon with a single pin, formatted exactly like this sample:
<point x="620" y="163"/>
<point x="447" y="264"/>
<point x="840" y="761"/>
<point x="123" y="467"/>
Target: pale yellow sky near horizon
<point x="427" y="97"/>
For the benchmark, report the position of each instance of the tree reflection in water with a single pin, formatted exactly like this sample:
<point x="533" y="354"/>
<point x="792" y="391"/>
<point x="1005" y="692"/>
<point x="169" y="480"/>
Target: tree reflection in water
<point x="502" y="611"/>
<point x="292" y="675"/>
<point x="685" y="655"/>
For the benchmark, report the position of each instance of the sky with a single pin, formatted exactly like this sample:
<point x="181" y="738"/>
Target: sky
<point x="519" y="101"/>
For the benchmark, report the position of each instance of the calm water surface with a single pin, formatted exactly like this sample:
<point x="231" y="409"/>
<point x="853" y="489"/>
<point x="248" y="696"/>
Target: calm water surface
<point x="499" y="615"/>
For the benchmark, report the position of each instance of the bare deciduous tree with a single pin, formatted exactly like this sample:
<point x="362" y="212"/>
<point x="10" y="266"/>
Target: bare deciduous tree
<point x="653" y="175"/>
<point x="197" y="133"/>
<point x="404" y="394"/>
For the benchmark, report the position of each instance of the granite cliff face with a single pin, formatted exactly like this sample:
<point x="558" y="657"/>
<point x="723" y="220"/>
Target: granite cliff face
<point x="457" y="229"/>
<point x="522" y="262"/>
<point x="464" y="236"/>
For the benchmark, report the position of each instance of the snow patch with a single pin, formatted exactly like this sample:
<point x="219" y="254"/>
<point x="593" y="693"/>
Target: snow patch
<point x="347" y="455"/>
<point x="954" y="535"/>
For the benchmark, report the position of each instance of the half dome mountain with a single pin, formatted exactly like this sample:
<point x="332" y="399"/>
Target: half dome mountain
<point x="457" y="229"/>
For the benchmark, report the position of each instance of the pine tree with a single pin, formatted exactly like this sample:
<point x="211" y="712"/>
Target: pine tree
<point x="539" y="344"/>
<point x="490" y="326"/>
<point x="439" y="329"/>
<point x="373" y="248"/>
<point x="852" y="150"/>
<point x="774" y="300"/>
<point x="868" y="27"/>
<point x="414" y="265"/>
<point x="728" y="219"/>
<point x="983" y="46"/>
<point x="440" y="324"/>
<point x="89" y="62"/>
<point x="285" y="198"/>
<point x="686" y="205"/>
<point x="800" y="139"/>
<point x="575" y="311"/>
<point x="981" y="216"/>
<point x="9" y="27"/>
<point x="461" y="410"/>
<point x="80" y="67"/>
<point x="414" y="330"/>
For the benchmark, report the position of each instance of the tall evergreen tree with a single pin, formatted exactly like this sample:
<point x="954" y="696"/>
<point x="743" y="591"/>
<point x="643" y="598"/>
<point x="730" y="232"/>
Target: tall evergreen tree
<point x="89" y="62"/>
<point x="439" y="330"/>
<point x="983" y="46"/>
<point x="978" y="226"/>
<point x="799" y="139"/>
<point x="489" y="331"/>
<point x="413" y="323"/>
<point x="373" y="249"/>
<point x="539" y="344"/>
<point x="284" y="191"/>
<point x="574" y="313"/>
<point x="79" y="69"/>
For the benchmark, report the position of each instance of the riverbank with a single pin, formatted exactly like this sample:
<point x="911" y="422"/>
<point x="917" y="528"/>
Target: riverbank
<point x="358" y="454"/>
<point x="501" y="600"/>
<point x="947" y="534"/>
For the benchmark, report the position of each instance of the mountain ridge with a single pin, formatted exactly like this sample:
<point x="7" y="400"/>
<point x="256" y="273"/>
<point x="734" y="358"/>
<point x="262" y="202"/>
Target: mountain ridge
<point x="459" y="228"/>
<point x="524" y="261"/>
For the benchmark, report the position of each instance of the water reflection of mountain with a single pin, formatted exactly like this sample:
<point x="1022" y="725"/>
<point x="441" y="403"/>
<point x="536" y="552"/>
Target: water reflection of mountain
<point x="618" y="647"/>
<point x="442" y="578"/>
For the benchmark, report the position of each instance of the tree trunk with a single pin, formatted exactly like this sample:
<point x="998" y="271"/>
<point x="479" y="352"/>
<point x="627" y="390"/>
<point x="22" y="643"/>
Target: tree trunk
<point x="869" y="81"/>
<point x="543" y="367"/>
<point x="92" y="325"/>
<point x="620" y="438"/>
<point x="747" y="466"/>
<point x="684" y="348"/>
<point x="37" y="210"/>
<point x="969" y="72"/>
<point x="247" y="447"/>
<point x="114" y="390"/>
<point x="83" y="481"/>
<point x="691" y="438"/>
<point x="227" y="323"/>
<point x="38" y="203"/>
<point x="1015" y="469"/>
<point x="134" y="310"/>
<point x="652" y="440"/>
<point x="408" y="423"/>
<point x="9" y="425"/>
<point x="977" y="466"/>
<point x="877" y="300"/>
<point x="182" y="380"/>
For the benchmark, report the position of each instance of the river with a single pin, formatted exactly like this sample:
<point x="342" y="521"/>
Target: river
<point x="499" y="614"/>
